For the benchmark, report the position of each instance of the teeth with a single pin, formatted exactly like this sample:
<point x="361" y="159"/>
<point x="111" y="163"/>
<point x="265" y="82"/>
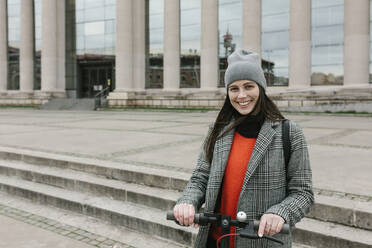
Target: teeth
<point x="243" y="103"/>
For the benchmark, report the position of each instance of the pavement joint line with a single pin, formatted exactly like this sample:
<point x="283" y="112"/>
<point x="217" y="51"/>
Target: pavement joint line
<point x="342" y="195"/>
<point x="149" y="148"/>
<point x="343" y="145"/>
<point x="59" y="228"/>
<point x="340" y="133"/>
<point x="32" y="132"/>
<point x="153" y="165"/>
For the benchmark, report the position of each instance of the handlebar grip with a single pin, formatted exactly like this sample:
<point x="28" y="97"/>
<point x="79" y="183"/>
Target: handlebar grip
<point x="198" y="218"/>
<point x="285" y="229"/>
<point x="170" y="215"/>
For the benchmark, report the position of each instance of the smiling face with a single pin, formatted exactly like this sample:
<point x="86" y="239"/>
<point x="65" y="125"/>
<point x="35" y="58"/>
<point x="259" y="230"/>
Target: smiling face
<point x="243" y="95"/>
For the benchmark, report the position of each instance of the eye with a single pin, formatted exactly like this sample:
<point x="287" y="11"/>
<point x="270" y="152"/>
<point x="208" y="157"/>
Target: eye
<point x="233" y="88"/>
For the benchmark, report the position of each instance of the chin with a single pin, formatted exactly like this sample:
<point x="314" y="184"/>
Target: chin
<point x="245" y="111"/>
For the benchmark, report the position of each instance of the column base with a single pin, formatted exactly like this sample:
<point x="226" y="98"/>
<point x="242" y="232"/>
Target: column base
<point x="28" y="98"/>
<point x="159" y="98"/>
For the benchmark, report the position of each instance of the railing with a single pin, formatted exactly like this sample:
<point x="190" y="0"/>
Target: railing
<point x="99" y="96"/>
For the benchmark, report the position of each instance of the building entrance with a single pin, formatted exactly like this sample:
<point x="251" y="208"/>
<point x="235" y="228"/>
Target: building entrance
<point x="95" y="76"/>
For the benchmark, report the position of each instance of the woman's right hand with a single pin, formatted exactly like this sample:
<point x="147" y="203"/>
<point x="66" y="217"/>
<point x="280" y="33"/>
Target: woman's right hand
<point x="184" y="214"/>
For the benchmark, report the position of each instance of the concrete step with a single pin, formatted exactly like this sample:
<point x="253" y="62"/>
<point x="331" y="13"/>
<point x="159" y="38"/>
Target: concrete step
<point x="163" y="199"/>
<point x="153" y="177"/>
<point x="134" y="216"/>
<point x="69" y="104"/>
<point x="152" y="221"/>
<point x="343" y="210"/>
<point x="87" y="226"/>
<point x="328" y="235"/>
<point x="337" y="207"/>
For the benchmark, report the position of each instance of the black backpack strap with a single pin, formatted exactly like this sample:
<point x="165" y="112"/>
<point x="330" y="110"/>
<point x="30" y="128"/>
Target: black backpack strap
<point x="286" y="141"/>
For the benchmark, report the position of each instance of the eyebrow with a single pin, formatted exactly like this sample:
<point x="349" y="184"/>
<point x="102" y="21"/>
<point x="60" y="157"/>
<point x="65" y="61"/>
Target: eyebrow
<point x="245" y="83"/>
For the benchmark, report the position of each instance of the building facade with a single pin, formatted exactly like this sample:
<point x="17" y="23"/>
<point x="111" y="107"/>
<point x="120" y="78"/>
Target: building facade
<point x="173" y="52"/>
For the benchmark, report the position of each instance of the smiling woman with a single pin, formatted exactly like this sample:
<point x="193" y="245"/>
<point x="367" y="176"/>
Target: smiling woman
<point x="235" y="168"/>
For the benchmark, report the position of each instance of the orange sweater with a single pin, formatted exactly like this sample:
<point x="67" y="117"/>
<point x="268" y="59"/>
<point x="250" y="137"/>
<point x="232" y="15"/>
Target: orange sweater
<point x="236" y="168"/>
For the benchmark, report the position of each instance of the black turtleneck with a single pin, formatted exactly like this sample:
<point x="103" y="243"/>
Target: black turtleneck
<point x="251" y="125"/>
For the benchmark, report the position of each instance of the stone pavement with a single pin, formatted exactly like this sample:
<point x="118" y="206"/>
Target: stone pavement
<point x="340" y="145"/>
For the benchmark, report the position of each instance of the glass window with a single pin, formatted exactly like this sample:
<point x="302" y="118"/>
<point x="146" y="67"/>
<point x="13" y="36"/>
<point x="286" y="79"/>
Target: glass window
<point x="94" y="28"/>
<point x="80" y="29"/>
<point x="230" y="32"/>
<point x="94" y="4"/>
<point x="190" y="43"/>
<point x="94" y="41"/>
<point x="110" y="27"/>
<point x="38" y="42"/>
<point x="95" y="14"/>
<point x="370" y="43"/>
<point x="156" y="36"/>
<point x="327" y="42"/>
<point x="110" y="12"/>
<point x="275" y="41"/>
<point x="14" y="10"/>
<point x="109" y="40"/>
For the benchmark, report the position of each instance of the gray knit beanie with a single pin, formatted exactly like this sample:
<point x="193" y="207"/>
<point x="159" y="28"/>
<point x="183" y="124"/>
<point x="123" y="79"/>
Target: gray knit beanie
<point x="244" y="65"/>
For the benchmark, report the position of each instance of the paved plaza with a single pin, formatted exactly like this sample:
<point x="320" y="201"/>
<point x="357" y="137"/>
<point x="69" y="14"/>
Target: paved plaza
<point x="340" y="145"/>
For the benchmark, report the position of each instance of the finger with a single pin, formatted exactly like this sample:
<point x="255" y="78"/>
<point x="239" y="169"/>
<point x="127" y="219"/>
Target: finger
<point x="192" y="214"/>
<point x="176" y="212"/>
<point x="196" y="225"/>
<point x="274" y="226"/>
<point x="180" y="213"/>
<point x="280" y="226"/>
<point x="261" y="228"/>
<point x="186" y="215"/>
<point x="268" y="226"/>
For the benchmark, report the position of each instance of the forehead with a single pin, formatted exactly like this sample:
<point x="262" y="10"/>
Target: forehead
<point x="241" y="82"/>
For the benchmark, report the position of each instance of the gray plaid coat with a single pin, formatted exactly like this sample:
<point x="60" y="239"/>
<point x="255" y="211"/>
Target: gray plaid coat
<point x="267" y="186"/>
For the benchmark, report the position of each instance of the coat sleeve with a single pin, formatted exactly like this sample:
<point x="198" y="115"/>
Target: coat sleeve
<point x="194" y="193"/>
<point x="300" y="195"/>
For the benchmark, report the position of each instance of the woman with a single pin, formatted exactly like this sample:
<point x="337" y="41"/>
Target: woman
<point x="242" y="167"/>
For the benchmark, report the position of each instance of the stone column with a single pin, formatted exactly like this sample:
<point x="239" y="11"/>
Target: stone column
<point x="3" y="45"/>
<point x="61" y="45"/>
<point x="124" y="45"/>
<point x="209" y="45"/>
<point x="49" y="48"/>
<point x="356" y="42"/>
<point x="26" y="56"/>
<point x="139" y="56"/>
<point x="300" y="44"/>
<point x="251" y="18"/>
<point x="171" y="45"/>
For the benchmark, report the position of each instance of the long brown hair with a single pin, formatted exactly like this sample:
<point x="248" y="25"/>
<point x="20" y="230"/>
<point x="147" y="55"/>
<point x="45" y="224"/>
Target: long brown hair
<point x="264" y="105"/>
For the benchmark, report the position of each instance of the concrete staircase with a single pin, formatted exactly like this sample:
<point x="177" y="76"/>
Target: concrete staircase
<point x="69" y="104"/>
<point x="138" y="197"/>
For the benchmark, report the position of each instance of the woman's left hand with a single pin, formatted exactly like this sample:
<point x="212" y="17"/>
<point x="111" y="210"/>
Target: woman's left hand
<point x="270" y="224"/>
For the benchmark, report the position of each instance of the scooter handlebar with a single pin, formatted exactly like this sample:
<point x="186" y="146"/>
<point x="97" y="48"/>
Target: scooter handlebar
<point x="201" y="218"/>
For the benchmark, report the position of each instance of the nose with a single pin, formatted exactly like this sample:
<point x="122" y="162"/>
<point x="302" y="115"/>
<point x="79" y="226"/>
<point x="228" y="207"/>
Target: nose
<point x="242" y="94"/>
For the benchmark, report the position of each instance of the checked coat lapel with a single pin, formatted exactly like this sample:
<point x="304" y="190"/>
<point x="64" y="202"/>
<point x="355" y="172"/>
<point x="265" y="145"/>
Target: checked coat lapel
<point x="263" y="141"/>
